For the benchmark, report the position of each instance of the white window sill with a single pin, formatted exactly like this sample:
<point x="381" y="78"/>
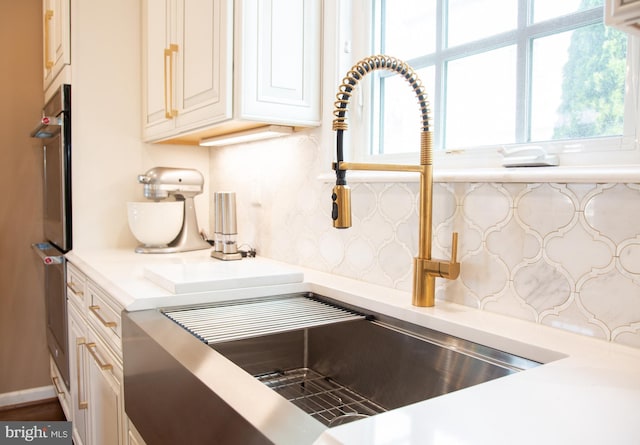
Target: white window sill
<point x="593" y="162"/>
<point x="608" y="174"/>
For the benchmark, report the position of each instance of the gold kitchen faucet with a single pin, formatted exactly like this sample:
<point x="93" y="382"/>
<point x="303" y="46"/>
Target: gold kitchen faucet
<point x="425" y="269"/>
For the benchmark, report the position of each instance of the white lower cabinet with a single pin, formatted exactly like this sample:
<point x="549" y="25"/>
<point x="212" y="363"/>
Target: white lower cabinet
<point x="77" y="372"/>
<point x="105" y="393"/>
<point x="95" y="362"/>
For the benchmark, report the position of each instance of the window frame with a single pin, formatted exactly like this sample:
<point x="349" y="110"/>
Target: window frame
<point x="603" y="151"/>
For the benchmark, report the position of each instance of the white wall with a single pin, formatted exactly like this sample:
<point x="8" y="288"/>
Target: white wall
<point x="108" y="153"/>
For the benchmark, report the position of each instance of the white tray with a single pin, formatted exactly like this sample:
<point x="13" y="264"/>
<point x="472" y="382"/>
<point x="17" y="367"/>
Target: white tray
<point x="188" y="277"/>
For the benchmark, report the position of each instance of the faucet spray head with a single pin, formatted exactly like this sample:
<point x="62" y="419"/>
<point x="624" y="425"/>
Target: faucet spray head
<point x="341" y="209"/>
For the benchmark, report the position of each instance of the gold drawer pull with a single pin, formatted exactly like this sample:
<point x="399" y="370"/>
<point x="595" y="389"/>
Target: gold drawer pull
<point x="71" y="285"/>
<point x="54" y="379"/>
<point x="104" y="366"/>
<point x="108" y="324"/>
<point x="169" y="54"/>
<point x="48" y="16"/>
<point x="79" y="342"/>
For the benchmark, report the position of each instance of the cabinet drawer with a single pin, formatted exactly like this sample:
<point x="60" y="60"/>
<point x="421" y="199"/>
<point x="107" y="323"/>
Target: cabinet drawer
<point x="104" y="316"/>
<point x="76" y="286"/>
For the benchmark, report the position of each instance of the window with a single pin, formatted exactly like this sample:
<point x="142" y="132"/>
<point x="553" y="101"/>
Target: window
<point x="502" y="72"/>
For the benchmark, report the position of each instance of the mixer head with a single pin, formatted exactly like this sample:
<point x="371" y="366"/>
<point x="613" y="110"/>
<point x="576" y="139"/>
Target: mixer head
<point x="160" y="182"/>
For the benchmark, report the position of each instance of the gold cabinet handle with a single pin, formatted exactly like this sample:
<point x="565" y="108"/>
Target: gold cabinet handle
<point x="54" y="379"/>
<point x="82" y="404"/>
<point x="106" y="323"/>
<point x="48" y="16"/>
<point x="169" y="69"/>
<point x="71" y="285"/>
<point x="101" y="364"/>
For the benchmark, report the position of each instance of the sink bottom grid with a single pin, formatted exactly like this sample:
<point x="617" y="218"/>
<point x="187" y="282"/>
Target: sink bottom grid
<point x="322" y="397"/>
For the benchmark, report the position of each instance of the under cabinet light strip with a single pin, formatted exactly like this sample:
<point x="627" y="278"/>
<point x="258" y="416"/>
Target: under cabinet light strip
<point x="256" y="134"/>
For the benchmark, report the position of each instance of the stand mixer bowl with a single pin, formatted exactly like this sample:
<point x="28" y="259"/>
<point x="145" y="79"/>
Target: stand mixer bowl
<point x="155" y="224"/>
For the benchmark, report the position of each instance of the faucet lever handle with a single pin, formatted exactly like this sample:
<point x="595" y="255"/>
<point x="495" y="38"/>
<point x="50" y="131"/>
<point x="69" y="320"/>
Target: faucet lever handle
<point x="451" y="270"/>
<point x="454" y="248"/>
<point x="442" y="268"/>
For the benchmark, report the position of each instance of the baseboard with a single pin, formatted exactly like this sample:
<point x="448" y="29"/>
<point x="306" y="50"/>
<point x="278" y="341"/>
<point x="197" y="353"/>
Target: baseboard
<point x="27" y="396"/>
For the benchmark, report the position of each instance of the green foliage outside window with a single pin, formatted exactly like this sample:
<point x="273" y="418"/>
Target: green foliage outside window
<point x="593" y="83"/>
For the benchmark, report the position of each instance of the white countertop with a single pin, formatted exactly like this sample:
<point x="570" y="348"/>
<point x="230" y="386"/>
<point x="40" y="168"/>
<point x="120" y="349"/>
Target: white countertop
<point x="125" y="275"/>
<point x="588" y="394"/>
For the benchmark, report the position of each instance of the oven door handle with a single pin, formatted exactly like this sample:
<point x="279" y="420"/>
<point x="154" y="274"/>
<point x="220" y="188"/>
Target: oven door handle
<point x="48" y="254"/>
<point x="48" y="127"/>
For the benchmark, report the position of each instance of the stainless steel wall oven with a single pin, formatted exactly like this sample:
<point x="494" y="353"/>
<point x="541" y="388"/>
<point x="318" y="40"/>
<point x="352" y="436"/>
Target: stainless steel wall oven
<point x="55" y="131"/>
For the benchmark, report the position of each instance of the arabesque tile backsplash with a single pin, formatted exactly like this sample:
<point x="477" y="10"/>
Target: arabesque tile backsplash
<point x="563" y="255"/>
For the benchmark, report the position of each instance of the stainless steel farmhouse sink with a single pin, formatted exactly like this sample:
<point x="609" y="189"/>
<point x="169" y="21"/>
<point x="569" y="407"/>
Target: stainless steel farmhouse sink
<point x="283" y="369"/>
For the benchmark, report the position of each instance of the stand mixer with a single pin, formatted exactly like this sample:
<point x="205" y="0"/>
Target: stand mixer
<point x="162" y="182"/>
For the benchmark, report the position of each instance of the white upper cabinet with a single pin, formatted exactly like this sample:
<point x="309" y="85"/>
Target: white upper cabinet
<point x="278" y="55"/>
<point x="216" y="66"/>
<point x="204" y="67"/>
<point x="624" y="15"/>
<point x="56" y="38"/>
<point x="186" y="65"/>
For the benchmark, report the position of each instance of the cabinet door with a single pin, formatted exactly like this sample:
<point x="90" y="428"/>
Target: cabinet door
<point x="104" y="378"/>
<point x="157" y="36"/>
<point x="188" y="65"/>
<point x="204" y="62"/>
<point x="56" y="34"/>
<point x="78" y="375"/>
<point x="280" y="45"/>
